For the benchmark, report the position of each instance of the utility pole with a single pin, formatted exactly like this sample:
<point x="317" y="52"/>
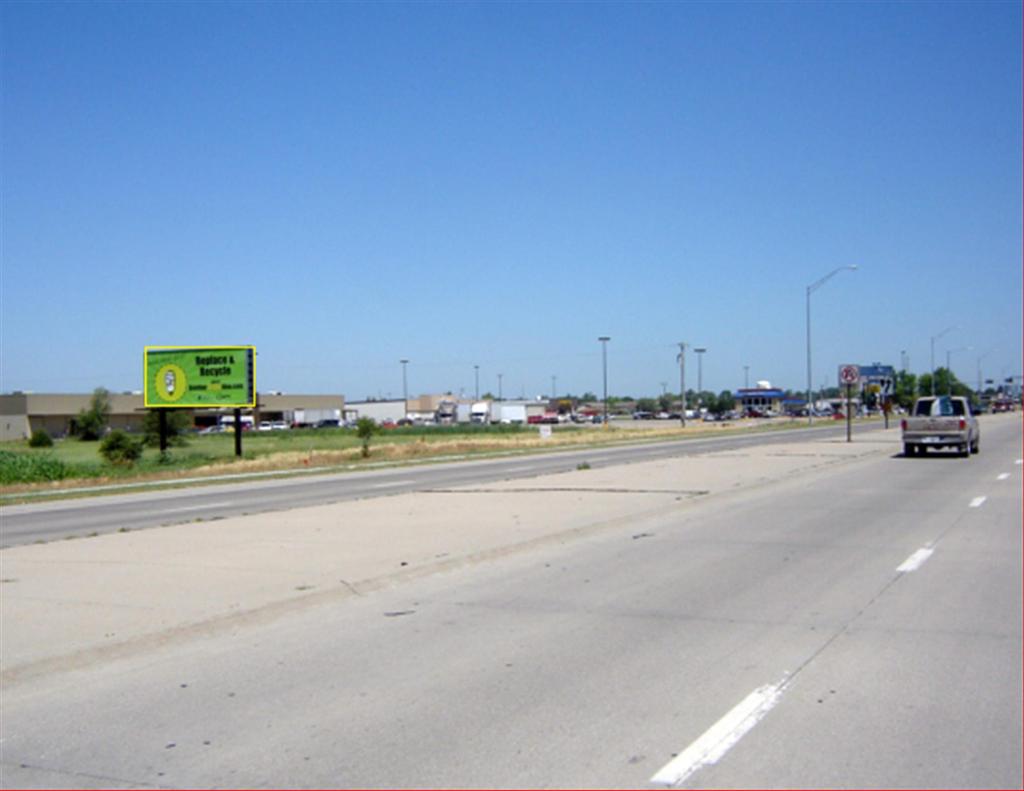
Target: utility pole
<point x="746" y="377"/>
<point x="476" y="378"/>
<point x="554" y="387"/>
<point x="499" y="386"/>
<point x="681" y="359"/>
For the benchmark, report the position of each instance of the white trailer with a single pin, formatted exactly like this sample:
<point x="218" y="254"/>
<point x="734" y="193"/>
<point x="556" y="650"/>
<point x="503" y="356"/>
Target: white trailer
<point x="508" y="412"/>
<point x="311" y="417"/>
<point x="463" y="413"/>
<point x="480" y="412"/>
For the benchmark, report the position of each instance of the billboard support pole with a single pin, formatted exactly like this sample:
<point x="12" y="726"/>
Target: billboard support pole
<point x="238" y="433"/>
<point x="162" y="413"/>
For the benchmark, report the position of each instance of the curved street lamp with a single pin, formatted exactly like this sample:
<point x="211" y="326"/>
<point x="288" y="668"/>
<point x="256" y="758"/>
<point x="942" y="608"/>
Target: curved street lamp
<point x="810" y="290"/>
<point x="935" y="338"/>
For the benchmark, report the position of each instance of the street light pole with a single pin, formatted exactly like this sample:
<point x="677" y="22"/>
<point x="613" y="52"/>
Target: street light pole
<point x="810" y="290"/>
<point x="746" y="377"/>
<point x="499" y="386"/>
<point x="554" y="386"/>
<point x="405" y="388"/>
<point x="935" y="338"/>
<point x="476" y="378"/>
<point x="700" y="375"/>
<point x="681" y="357"/>
<point x="604" y="365"/>
<point x="949" y="370"/>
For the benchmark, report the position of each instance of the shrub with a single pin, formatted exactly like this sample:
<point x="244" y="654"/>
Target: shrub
<point x="365" y="429"/>
<point x="119" y="448"/>
<point x="40" y="439"/>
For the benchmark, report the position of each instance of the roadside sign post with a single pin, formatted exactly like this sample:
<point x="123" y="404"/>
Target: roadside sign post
<point x="849" y="417"/>
<point x="163" y="430"/>
<point x="238" y="433"/>
<point x="849" y="375"/>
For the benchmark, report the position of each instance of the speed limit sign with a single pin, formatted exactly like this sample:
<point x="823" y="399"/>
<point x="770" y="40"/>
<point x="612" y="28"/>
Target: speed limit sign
<point x="849" y="374"/>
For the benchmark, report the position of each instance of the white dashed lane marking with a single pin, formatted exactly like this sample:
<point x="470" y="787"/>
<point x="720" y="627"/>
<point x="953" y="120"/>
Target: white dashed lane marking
<point x="977" y="501"/>
<point x="915" y="561"/>
<point x="720" y="737"/>
<point x="1003" y="476"/>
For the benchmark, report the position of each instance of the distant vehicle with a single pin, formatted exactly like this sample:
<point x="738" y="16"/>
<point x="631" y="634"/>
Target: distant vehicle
<point x="265" y="426"/>
<point x="662" y="416"/>
<point x="480" y="412"/>
<point x="213" y="430"/>
<point x="508" y="414"/>
<point x="279" y="425"/>
<point x="638" y="415"/>
<point x="329" y="423"/>
<point x="405" y="421"/>
<point x="940" y="422"/>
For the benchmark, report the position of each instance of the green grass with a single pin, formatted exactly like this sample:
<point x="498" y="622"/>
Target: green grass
<point x="72" y="458"/>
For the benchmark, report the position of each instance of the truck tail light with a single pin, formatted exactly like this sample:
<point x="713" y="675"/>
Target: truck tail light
<point x="963" y="424"/>
<point x="903" y="425"/>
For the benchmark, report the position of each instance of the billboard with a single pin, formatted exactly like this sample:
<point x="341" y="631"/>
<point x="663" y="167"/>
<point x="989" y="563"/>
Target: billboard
<point x="200" y="376"/>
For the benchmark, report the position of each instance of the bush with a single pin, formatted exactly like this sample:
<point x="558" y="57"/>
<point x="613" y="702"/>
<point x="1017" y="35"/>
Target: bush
<point x="32" y="468"/>
<point x="119" y="448"/>
<point x="365" y="429"/>
<point x="40" y="439"/>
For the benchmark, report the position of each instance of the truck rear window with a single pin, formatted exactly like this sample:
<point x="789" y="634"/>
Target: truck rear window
<point x="938" y="407"/>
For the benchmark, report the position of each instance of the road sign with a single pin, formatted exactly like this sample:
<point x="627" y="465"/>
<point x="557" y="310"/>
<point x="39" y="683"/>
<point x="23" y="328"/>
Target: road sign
<point x="849" y="374"/>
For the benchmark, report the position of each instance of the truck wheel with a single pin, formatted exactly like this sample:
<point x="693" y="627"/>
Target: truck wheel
<point x="909" y="450"/>
<point x="965" y="450"/>
<point x="975" y="446"/>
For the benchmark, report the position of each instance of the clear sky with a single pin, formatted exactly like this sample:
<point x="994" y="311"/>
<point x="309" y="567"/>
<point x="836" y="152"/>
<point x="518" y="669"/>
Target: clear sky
<point x="344" y="185"/>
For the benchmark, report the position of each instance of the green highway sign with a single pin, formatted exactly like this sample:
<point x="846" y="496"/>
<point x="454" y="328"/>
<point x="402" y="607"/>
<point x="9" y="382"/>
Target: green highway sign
<point x="200" y="376"/>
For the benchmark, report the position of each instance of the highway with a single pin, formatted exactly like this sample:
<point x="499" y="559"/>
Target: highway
<point x="857" y="626"/>
<point x="25" y="524"/>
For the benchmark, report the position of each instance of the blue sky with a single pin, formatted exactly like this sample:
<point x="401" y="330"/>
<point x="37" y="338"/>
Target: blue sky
<point x="345" y="185"/>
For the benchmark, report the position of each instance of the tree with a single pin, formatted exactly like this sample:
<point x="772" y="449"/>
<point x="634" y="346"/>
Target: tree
<point x="665" y="402"/>
<point x="365" y="429"/>
<point x="722" y="403"/>
<point x="588" y="396"/>
<point x="178" y="422"/>
<point x="91" y="422"/>
<point x="905" y="389"/>
<point x="646" y="405"/>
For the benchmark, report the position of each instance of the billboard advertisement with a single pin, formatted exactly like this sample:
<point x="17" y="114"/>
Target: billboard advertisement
<point x="200" y="376"/>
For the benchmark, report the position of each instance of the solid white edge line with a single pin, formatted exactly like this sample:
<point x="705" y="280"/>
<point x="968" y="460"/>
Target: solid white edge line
<point x="915" y="561"/>
<point x="390" y="483"/>
<point x="720" y="737"/>
<point x="977" y="501"/>
<point x="1002" y="476"/>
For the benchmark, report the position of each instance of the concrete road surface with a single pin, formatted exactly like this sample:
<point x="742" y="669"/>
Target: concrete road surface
<point x="827" y="616"/>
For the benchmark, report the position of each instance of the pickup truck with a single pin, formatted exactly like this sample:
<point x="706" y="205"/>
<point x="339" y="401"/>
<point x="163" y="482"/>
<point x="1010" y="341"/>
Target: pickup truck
<point x="940" y="422"/>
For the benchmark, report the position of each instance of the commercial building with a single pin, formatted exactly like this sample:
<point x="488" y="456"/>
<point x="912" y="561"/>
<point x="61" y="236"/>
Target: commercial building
<point x="56" y="413"/>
